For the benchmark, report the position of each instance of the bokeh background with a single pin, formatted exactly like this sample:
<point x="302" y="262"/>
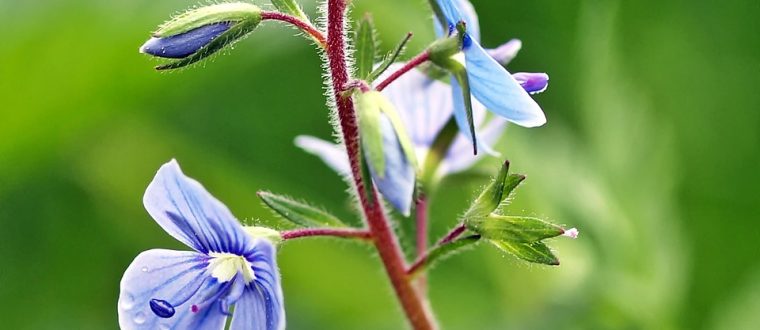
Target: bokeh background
<point x="651" y="149"/>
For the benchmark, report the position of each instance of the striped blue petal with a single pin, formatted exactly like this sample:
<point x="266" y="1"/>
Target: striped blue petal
<point x="455" y="11"/>
<point x="185" y="210"/>
<point x="460" y="157"/>
<point x="499" y="92"/>
<point x="165" y="289"/>
<point x="261" y="305"/>
<point x="397" y="184"/>
<point x="184" y="44"/>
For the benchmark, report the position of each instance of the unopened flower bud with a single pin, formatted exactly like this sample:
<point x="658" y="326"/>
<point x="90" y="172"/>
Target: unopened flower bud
<point x="201" y="32"/>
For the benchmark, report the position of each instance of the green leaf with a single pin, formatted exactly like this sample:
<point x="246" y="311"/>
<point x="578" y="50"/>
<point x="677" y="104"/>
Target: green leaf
<point x="537" y="252"/>
<point x="290" y="7"/>
<point x="368" y="111"/>
<point x="300" y="213"/>
<point x="366" y="47"/>
<point x="389" y="58"/>
<point x="514" y="228"/>
<point x="494" y="193"/>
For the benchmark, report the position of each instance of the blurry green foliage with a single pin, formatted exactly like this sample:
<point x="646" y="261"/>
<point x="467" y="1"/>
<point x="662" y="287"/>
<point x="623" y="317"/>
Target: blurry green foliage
<point x="651" y="150"/>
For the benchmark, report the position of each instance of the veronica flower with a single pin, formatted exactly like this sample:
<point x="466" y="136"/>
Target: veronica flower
<point x="489" y="82"/>
<point x="167" y="289"/>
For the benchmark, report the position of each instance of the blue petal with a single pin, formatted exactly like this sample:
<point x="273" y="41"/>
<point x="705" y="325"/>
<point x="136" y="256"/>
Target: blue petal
<point x="506" y="52"/>
<point x="532" y="82"/>
<point x="423" y="104"/>
<point x="184" y="44"/>
<point x="333" y="155"/>
<point x="191" y="215"/>
<point x="177" y="279"/>
<point x="493" y="86"/>
<point x="459" y="10"/>
<point x="460" y="157"/>
<point x="261" y="305"/>
<point x="397" y="185"/>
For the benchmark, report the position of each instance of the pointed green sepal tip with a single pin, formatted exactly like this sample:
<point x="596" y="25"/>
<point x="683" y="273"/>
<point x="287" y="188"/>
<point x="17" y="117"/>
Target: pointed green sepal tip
<point x="263" y="232"/>
<point x="201" y="32"/>
<point x="365" y="45"/>
<point x="514" y="228"/>
<point x="495" y="193"/>
<point x="299" y="213"/>
<point x="536" y="252"/>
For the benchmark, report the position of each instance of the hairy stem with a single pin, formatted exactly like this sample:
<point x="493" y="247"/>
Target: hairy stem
<point x="385" y="240"/>
<point x="413" y="63"/>
<point x="318" y="36"/>
<point x="334" y="232"/>
<point x="421" y="210"/>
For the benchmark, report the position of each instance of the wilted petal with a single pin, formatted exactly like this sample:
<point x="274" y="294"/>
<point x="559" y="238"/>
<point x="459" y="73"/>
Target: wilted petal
<point x="184" y="44"/>
<point x="506" y="52"/>
<point x="397" y="184"/>
<point x="493" y="86"/>
<point x="160" y="288"/>
<point x="261" y="305"/>
<point x="332" y="154"/>
<point x="190" y="214"/>
<point x="533" y="83"/>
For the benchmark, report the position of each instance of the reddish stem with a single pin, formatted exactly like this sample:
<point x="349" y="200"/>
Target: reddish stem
<point x="334" y="232"/>
<point x="417" y="60"/>
<point x="384" y="238"/>
<point x="297" y="22"/>
<point x="452" y="235"/>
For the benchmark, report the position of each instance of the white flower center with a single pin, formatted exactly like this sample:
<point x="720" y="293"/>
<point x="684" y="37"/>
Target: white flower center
<point x="224" y="266"/>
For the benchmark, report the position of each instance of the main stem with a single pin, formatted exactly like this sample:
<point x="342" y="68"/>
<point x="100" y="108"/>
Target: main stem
<point x="384" y="238"/>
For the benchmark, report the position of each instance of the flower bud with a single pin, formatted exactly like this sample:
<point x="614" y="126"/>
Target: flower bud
<point x="533" y="83"/>
<point x="201" y="32"/>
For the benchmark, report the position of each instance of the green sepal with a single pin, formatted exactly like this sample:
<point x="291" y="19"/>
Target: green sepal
<point x="389" y="58"/>
<point x="496" y="192"/>
<point x="389" y="110"/>
<point x="513" y="228"/>
<point x="366" y="47"/>
<point x="371" y="136"/>
<point x="299" y="213"/>
<point x="224" y="12"/>
<point x="536" y="252"/>
<point x="263" y="232"/>
<point x="290" y="7"/>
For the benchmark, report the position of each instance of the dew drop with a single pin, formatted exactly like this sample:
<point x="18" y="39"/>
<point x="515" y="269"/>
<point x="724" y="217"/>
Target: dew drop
<point x="139" y="318"/>
<point x="127" y="301"/>
<point x="144" y="269"/>
<point x="164" y="327"/>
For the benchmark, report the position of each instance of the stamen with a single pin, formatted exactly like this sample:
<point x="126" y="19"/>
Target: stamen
<point x="572" y="233"/>
<point x="161" y="308"/>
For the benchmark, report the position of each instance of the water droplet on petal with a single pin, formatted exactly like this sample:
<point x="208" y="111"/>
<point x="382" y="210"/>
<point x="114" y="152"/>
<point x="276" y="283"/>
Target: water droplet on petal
<point x="164" y="327"/>
<point x="144" y="269"/>
<point x="162" y="308"/>
<point x="127" y="301"/>
<point x="139" y="318"/>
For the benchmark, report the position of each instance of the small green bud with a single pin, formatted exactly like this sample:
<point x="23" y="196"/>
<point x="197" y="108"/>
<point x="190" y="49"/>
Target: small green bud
<point x="265" y="233"/>
<point x="513" y="228"/>
<point x="494" y="193"/>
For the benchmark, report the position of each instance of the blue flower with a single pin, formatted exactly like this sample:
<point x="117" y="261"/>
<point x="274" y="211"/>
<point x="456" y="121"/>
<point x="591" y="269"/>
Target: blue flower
<point x="489" y="82"/>
<point x="167" y="289"/>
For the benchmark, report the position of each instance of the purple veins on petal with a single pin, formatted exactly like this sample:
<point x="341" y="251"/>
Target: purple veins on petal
<point x="184" y="44"/>
<point x="533" y="83"/>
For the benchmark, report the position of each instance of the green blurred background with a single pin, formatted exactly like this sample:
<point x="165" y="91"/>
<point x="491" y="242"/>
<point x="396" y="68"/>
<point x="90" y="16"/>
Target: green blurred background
<point x="651" y="149"/>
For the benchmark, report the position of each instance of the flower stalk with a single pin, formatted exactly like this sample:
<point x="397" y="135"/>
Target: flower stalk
<point x="307" y="27"/>
<point x="332" y="232"/>
<point x="385" y="240"/>
<point x="413" y="63"/>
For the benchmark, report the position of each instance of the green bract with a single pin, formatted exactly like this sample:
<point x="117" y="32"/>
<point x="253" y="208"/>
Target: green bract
<point x="245" y="14"/>
<point x="299" y="213"/>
